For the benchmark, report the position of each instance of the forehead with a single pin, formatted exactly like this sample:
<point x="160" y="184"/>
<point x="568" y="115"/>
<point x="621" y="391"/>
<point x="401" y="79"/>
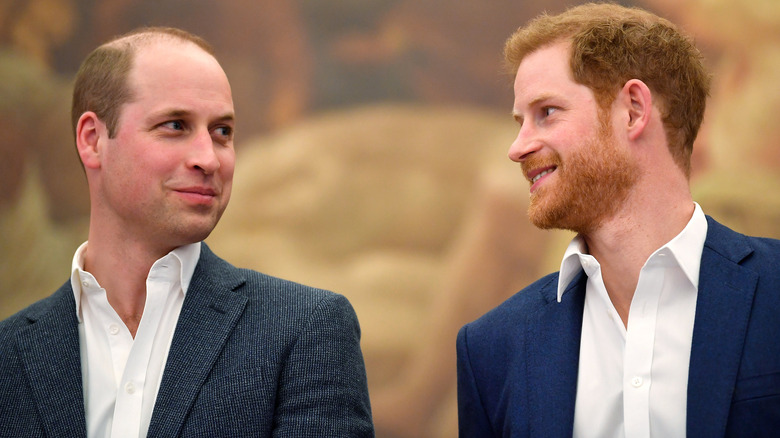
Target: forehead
<point x="546" y="72"/>
<point x="171" y="69"/>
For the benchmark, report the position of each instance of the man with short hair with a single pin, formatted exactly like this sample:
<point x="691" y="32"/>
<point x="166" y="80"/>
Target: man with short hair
<point x="661" y="322"/>
<point x="154" y="335"/>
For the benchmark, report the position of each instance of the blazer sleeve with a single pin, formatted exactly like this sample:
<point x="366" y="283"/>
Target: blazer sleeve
<point x="323" y="390"/>
<point x="472" y="419"/>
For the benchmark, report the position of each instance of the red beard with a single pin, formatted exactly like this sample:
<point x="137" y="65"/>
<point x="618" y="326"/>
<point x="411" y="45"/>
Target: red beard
<point x="589" y="186"/>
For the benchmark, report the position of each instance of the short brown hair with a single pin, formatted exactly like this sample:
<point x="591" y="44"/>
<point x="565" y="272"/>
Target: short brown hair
<point x="611" y="45"/>
<point x="101" y="82"/>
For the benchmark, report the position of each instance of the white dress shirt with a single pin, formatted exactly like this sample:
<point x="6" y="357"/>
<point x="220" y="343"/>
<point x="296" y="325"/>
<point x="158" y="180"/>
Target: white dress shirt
<point x="632" y="382"/>
<point x="122" y="375"/>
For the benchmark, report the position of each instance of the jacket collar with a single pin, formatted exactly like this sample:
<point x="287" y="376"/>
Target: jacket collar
<point x="49" y="353"/>
<point x="723" y="306"/>
<point x="553" y="359"/>
<point x="210" y="311"/>
<point x="725" y="298"/>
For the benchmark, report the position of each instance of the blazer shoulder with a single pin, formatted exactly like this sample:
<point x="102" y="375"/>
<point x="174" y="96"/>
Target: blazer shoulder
<point x="523" y="303"/>
<point x="766" y="250"/>
<point x="306" y="341"/>
<point x="285" y="292"/>
<point x="757" y="253"/>
<point x="35" y="311"/>
<point x="270" y="296"/>
<point x="211" y="268"/>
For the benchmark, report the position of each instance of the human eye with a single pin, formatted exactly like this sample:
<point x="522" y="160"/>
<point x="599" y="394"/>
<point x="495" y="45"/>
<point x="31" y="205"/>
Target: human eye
<point x="174" y="125"/>
<point x="546" y="114"/>
<point x="222" y="133"/>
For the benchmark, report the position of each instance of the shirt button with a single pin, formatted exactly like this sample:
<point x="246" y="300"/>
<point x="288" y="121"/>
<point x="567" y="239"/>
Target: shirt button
<point x="85" y="283"/>
<point x="129" y="388"/>
<point x="113" y="329"/>
<point x="636" y="382"/>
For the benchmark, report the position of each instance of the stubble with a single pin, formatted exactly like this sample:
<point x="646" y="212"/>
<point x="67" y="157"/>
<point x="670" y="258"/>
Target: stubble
<point x="591" y="185"/>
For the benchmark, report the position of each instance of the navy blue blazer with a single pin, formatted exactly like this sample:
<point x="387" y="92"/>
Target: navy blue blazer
<point x="251" y="355"/>
<point x="517" y="365"/>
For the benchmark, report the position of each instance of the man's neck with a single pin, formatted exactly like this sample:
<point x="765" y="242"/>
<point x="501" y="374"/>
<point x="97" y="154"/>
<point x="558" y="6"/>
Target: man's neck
<point x="623" y="243"/>
<point x="121" y="267"/>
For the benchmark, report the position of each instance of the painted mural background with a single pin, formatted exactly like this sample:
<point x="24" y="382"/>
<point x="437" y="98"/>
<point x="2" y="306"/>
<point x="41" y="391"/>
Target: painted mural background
<point x="371" y="143"/>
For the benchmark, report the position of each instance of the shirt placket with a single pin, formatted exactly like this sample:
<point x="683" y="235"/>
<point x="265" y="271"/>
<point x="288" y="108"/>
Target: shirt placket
<point x="640" y="340"/>
<point x="130" y="394"/>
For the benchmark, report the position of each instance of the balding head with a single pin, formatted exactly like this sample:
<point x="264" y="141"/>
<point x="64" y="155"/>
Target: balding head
<point x="102" y="80"/>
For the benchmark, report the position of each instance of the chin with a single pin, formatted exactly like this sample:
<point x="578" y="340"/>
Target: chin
<point x="546" y="213"/>
<point x="193" y="232"/>
<point x="561" y="217"/>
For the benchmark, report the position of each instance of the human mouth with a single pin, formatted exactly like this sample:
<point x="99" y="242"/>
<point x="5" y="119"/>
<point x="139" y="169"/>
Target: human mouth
<point x="540" y="175"/>
<point x="206" y="191"/>
<point x="537" y="174"/>
<point x="197" y="194"/>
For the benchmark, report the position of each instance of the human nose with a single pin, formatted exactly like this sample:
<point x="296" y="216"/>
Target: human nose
<point x="203" y="154"/>
<point x="524" y="145"/>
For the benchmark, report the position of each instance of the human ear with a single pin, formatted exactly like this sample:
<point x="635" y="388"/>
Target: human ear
<point x="638" y="101"/>
<point x="89" y="130"/>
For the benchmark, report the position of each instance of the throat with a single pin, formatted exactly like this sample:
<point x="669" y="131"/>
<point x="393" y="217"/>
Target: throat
<point x="620" y="289"/>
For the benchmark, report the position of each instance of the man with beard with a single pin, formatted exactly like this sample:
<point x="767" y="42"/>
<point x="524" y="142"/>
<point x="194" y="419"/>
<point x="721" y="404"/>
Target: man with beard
<point x="153" y="334"/>
<point x="661" y="322"/>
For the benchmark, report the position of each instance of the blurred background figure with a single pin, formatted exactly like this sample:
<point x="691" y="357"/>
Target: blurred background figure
<point x="372" y="145"/>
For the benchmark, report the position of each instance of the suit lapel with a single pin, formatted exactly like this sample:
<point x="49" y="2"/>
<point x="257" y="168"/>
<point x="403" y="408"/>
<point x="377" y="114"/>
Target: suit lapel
<point x="50" y="355"/>
<point x="208" y="316"/>
<point x="553" y="362"/>
<point x="723" y="306"/>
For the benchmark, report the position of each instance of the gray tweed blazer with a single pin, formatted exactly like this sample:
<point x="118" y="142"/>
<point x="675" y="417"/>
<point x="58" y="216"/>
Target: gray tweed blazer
<point x="252" y="355"/>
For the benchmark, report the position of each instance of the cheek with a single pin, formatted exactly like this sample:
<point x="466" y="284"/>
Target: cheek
<point x="131" y="152"/>
<point x="576" y="141"/>
<point x="227" y="164"/>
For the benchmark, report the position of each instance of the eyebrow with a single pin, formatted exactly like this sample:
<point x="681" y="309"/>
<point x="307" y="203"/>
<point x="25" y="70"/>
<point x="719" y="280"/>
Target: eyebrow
<point x="541" y="98"/>
<point x="227" y="117"/>
<point x="534" y="102"/>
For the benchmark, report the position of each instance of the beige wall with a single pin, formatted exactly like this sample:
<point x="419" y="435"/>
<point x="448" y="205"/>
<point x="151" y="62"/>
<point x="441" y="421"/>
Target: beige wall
<point x="371" y="158"/>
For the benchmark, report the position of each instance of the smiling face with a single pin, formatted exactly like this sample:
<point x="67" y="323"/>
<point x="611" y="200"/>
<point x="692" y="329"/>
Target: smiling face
<point x="166" y="176"/>
<point x="579" y="173"/>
